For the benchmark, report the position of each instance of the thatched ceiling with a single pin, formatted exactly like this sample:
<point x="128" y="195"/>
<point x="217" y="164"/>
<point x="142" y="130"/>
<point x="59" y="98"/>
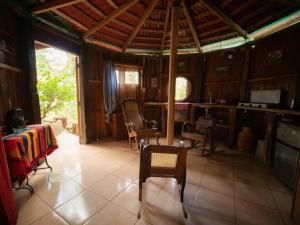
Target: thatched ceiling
<point x="145" y="24"/>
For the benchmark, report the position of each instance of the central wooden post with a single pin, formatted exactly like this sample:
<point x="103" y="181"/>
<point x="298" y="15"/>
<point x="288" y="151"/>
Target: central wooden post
<point x="175" y="7"/>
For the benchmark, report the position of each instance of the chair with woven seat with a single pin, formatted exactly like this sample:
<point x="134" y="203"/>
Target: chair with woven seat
<point x="200" y="132"/>
<point x="137" y="126"/>
<point x="163" y="161"/>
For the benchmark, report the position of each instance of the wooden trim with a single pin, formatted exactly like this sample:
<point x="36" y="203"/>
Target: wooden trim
<point x="110" y="17"/>
<point x="11" y="68"/>
<point x="165" y="28"/>
<point x="273" y="77"/>
<point x="222" y="82"/>
<point x="219" y="13"/>
<point x="140" y="24"/>
<point x="187" y="14"/>
<point x="51" y="5"/>
<point x="75" y="22"/>
<point x="104" y="44"/>
<point x="128" y="66"/>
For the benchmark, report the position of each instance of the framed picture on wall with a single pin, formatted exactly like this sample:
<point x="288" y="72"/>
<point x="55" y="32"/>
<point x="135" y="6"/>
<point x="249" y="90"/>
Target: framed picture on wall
<point x="153" y="82"/>
<point x="181" y="67"/>
<point x="7" y="43"/>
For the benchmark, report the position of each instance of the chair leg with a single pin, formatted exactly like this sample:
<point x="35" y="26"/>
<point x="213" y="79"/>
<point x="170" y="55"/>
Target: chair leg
<point x="203" y="148"/>
<point x="140" y="202"/>
<point x="129" y="142"/>
<point x="182" y="187"/>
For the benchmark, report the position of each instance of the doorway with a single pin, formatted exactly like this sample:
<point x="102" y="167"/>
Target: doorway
<point x="58" y="87"/>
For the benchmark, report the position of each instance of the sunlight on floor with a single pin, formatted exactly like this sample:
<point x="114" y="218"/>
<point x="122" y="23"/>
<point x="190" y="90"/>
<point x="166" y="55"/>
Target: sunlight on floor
<point x="98" y="184"/>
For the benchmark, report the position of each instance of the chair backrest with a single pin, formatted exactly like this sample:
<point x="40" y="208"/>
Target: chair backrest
<point x="204" y="123"/>
<point x="132" y="113"/>
<point x="162" y="161"/>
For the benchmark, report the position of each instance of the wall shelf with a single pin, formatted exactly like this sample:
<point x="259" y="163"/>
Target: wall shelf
<point x="11" y="68"/>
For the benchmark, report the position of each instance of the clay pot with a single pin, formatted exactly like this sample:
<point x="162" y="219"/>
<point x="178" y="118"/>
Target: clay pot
<point x="247" y="140"/>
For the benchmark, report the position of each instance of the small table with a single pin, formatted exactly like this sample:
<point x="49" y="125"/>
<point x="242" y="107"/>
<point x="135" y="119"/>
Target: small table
<point x="25" y="147"/>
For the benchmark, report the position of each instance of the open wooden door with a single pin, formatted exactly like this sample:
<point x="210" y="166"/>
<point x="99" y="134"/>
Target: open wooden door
<point x="80" y="106"/>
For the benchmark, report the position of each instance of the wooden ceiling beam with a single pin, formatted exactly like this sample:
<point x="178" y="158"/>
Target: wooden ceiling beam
<point x="70" y="19"/>
<point x="104" y="44"/>
<point x="191" y="24"/>
<point x="210" y="23"/>
<point x="148" y="30"/>
<point x="115" y="6"/>
<point x="94" y="9"/>
<point x="85" y="28"/>
<point x="112" y="4"/>
<point x="52" y="5"/>
<point x="147" y="38"/>
<point x="254" y="13"/>
<point x="219" y="13"/>
<point x="146" y="44"/>
<point x="202" y="15"/>
<point x="92" y="20"/>
<point x="159" y="11"/>
<point x="288" y="3"/>
<point x="241" y="7"/>
<point x="110" y="17"/>
<point x="140" y="23"/>
<point x="98" y="34"/>
<point x="165" y="28"/>
<point x="100" y="13"/>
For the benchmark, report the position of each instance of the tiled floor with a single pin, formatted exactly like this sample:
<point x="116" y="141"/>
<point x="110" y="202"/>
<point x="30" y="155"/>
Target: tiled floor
<point x="97" y="184"/>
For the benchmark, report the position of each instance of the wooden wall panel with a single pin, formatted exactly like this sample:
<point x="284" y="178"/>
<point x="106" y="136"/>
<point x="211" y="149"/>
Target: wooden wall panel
<point x="277" y="55"/>
<point x="188" y="66"/>
<point x="223" y="75"/>
<point x="93" y="92"/>
<point x="17" y="89"/>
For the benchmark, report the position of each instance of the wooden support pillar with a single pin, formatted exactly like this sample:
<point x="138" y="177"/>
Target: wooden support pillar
<point x="175" y="7"/>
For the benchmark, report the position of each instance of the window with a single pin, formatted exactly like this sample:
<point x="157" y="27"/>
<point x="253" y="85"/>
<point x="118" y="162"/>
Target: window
<point x="182" y="89"/>
<point x="127" y="76"/>
<point x="131" y="77"/>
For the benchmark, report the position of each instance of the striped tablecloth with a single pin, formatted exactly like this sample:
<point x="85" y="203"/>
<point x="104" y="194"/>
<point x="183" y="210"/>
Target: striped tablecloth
<point x="25" y="147"/>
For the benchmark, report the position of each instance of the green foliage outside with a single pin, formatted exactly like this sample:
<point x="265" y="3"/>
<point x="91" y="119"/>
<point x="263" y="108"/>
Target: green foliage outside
<point x="181" y="89"/>
<point x="56" y="85"/>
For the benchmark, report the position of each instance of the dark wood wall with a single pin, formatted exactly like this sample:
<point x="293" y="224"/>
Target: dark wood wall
<point x="17" y="87"/>
<point x="272" y="63"/>
<point x="223" y="75"/>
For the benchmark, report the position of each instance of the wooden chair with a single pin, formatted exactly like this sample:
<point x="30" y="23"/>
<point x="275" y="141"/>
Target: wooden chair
<point x="201" y="132"/>
<point x="137" y="127"/>
<point x="163" y="161"/>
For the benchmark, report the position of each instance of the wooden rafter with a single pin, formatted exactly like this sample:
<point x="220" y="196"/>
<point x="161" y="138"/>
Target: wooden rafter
<point x="94" y="9"/>
<point x="70" y="19"/>
<point x="207" y="24"/>
<point x="52" y="5"/>
<point x="104" y="44"/>
<point x="219" y="13"/>
<point x="191" y="24"/>
<point x="165" y="28"/>
<point x="289" y="3"/>
<point x="140" y="23"/>
<point x="241" y="7"/>
<point x="109" y="18"/>
<point x="112" y="3"/>
<point x="100" y="13"/>
<point x="115" y="6"/>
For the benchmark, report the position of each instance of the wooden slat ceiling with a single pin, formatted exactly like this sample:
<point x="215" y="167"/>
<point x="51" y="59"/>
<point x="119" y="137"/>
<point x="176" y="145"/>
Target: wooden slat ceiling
<point x="145" y="24"/>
